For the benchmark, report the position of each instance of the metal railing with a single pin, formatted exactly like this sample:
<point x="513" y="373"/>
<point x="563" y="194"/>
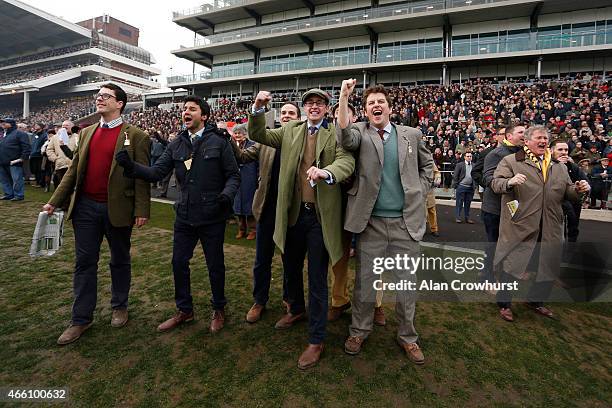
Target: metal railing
<point x="216" y="5"/>
<point x="212" y="5"/>
<point x="364" y="15"/>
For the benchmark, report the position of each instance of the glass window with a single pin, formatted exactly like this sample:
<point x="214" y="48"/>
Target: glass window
<point x="518" y="40"/>
<point x="460" y="45"/>
<point x="583" y="34"/>
<point x="600" y="32"/>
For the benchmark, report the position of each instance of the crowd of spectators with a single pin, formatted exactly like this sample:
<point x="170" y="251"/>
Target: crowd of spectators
<point x="453" y="119"/>
<point x="44" y="54"/>
<point x="56" y="111"/>
<point x="32" y="74"/>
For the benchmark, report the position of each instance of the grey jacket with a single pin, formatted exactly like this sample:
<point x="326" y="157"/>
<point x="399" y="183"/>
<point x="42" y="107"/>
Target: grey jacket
<point x="491" y="202"/>
<point x="459" y="174"/>
<point x="415" y="173"/>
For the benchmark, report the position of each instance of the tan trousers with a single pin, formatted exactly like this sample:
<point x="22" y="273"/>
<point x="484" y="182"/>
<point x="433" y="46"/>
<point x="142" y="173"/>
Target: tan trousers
<point x="383" y="237"/>
<point x="432" y="219"/>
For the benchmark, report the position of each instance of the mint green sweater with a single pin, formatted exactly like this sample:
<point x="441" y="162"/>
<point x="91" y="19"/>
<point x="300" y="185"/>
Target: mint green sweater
<point x="390" y="201"/>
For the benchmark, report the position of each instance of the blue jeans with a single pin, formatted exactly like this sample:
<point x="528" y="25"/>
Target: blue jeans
<point x="464" y="199"/>
<point x="11" y="178"/>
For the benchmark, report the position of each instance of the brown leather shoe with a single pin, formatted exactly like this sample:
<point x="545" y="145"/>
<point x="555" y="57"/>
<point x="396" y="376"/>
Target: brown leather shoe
<point x="353" y="344"/>
<point x="311" y="356"/>
<point x="72" y="333"/>
<point x="177" y="319"/>
<point x="119" y="317"/>
<point x="335" y="312"/>
<point x="240" y="235"/>
<point x="218" y="318"/>
<point x="254" y="313"/>
<point x="413" y="352"/>
<point x="379" y="316"/>
<point x="289" y="320"/>
<point x="541" y="310"/>
<point x="251" y="236"/>
<point x="506" y="314"/>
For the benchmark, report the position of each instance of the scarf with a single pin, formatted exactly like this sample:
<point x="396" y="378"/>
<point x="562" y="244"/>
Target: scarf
<point x="542" y="166"/>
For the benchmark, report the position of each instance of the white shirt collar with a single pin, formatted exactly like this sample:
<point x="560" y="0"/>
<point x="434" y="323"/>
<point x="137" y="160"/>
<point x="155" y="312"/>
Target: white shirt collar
<point x="389" y="128"/>
<point x="198" y="133"/>
<point x="317" y="125"/>
<point x="113" y="123"/>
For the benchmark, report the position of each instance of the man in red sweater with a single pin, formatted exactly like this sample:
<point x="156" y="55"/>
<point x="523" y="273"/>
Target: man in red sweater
<point x="103" y="203"/>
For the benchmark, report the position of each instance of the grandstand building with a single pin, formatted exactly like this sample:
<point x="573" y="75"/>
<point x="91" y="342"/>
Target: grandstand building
<point x="45" y="59"/>
<point x="289" y="46"/>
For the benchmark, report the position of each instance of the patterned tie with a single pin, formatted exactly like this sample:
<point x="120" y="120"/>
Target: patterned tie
<point x="381" y="133"/>
<point x="312" y="130"/>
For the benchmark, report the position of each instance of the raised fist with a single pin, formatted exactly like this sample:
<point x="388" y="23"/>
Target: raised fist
<point x="262" y="99"/>
<point x="348" y="86"/>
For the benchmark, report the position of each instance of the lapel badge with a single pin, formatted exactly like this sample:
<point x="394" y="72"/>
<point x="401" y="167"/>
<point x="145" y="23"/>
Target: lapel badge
<point x="127" y="139"/>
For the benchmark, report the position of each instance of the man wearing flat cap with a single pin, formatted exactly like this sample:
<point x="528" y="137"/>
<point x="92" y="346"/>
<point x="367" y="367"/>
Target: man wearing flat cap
<point x="308" y="210"/>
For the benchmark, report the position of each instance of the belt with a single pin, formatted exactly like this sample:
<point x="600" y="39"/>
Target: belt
<point x="308" y="206"/>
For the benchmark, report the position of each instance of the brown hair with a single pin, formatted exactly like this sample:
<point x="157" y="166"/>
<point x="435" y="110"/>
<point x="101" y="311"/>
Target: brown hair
<point x="374" y="90"/>
<point x="557" y="141"/>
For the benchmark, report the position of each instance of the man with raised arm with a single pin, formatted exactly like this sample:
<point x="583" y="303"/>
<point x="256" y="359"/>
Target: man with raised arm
<point x="308" y="209"/>
<point x="386" y="207"/>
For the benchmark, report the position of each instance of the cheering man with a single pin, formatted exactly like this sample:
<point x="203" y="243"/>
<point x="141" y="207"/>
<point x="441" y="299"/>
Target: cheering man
<point x="208" y="176"/>
<point x="308" y="208"/>
<point x="386" y="207"/>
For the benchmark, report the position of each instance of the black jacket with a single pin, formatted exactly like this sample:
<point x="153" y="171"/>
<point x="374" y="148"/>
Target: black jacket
<point x="38" y="140"/>
<point x="491" y="202"/>
<point x="478" y="166"/>
<point x="213" y="172"/>
<point x="575" y="173"/>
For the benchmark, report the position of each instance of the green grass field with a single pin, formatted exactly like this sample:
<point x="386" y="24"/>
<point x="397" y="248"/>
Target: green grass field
<point x="473" y="358"/>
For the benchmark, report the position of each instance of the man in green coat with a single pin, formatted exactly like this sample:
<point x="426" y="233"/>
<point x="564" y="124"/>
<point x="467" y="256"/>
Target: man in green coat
<point x="102" y="202"/>
<point x="308" y="209"/>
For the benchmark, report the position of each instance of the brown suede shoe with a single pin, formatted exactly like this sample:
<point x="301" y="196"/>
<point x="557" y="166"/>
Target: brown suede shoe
<point x="541" y="310"/>
<point x="254" y="313"/>
<point x="413" y="352"/>
<point x="311" y="356"/>
<point x="506" y="314"/>
<point x="251" y="236"/>
<point x="353" y="344"/>
<point x="177" y="319"/>
<point x="218" y="318"/>
<point x="240" y="235"/>
<point x="289" y="320"/>
<point x="379" y="316"/>
<point x="72" y="333"/>
<point x="335" y="312"/>
<point x="119" y="318"/>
